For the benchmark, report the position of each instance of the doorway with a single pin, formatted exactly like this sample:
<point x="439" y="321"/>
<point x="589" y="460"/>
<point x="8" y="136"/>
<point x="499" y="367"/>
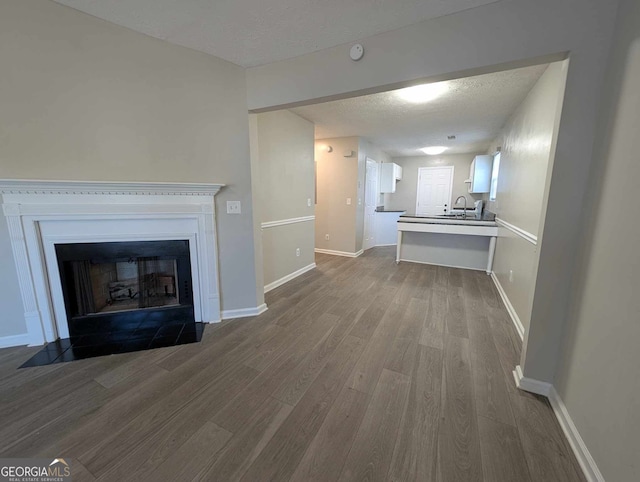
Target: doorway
<point x="370" y="203"/>
<point x="434" y="190"/>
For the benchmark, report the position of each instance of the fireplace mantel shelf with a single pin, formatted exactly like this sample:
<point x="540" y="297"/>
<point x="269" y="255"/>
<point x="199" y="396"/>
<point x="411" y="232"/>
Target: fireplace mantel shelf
<point x="20" y="186"/>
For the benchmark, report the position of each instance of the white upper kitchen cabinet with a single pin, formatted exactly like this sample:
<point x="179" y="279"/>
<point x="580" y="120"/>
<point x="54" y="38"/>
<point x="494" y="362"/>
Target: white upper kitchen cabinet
<point x="480" y="174"/>
<point x="390" y="173"/>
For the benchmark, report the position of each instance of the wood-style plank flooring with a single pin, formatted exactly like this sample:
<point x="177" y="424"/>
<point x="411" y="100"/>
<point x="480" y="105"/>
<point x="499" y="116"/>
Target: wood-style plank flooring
<point x="360" y="370"/>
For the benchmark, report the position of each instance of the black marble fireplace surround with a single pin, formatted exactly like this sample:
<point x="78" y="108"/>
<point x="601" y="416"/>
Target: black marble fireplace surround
<point x="121" y="297"/>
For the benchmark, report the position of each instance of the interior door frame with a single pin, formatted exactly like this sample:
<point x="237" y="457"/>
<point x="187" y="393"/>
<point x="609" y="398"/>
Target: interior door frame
<point x="452" y="168"/>
<point x="376" y="192"/>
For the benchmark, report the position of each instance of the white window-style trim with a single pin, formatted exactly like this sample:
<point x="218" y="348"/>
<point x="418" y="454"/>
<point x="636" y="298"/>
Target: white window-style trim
<point x="495" y="173"/>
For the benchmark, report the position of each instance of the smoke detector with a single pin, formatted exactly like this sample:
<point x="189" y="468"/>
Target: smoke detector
<point x="356" y="52"/>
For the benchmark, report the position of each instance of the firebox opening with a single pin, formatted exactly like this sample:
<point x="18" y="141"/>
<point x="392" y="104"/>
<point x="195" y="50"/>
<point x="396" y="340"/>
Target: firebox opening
<point x="143" y="282"/>
<point x="122" y="297"/>
<point x="125" y="286"/>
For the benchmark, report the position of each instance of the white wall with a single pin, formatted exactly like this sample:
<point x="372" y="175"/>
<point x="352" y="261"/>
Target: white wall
<point x="526" y="140"/>
<point x="83" y="99"/>
<point x="279" y="246"/>
<point x="340" y="178"/>
<point x="337" y="180"/>
<point x="598" y="374"/>
<point x="286" y="180"/>
<point x="499" y="35"/>
<point x="406" y="190"/>
<point x="254" y="156"/>
<point x="457" y="251"/>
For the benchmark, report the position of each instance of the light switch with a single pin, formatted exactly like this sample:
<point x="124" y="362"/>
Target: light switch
<point x="309" y="202"/>
<point x="233" y="207"/>
<point x="348" y="201"/>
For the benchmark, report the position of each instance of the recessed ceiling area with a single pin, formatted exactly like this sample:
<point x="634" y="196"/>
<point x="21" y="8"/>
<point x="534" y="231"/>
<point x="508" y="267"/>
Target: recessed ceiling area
<point x="474" y="109"/>
<point x="257" y="32"/>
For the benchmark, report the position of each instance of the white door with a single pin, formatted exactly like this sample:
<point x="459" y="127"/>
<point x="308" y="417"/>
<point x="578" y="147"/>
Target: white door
<point x="434" y="190"/>
<point x="370" y="203"/>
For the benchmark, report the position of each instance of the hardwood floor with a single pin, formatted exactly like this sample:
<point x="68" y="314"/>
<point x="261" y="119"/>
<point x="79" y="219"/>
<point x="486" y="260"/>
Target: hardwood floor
<point x="360" y="370"/>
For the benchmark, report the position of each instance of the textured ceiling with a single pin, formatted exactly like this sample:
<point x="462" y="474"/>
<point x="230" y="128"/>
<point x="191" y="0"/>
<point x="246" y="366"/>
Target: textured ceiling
<point x="256" y="32"/>
<point x="474" y="109"/>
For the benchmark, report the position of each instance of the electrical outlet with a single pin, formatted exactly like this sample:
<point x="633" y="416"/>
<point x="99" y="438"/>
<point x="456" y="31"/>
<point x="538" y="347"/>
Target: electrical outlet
<point x="359" y="202"/>
<point x="348" y="201"/>
<point x="510" y="276"/>
<point x="309" y="202"/>
<point x="297" y="251"/>
<point x="326" y="236"/>
<point x="233" y="207"/>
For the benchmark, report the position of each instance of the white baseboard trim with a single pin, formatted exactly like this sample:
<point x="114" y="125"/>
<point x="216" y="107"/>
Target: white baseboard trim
<point x="531" y="385"/>
<point x="381" y="245"/>
<point x="289" y="277"/>
<point x="339" y="253"/>
<point x="244" y="312"/>
<point x="587" y="464"/>
<point x="14" y="340"/>
<point x="510" y="309"/>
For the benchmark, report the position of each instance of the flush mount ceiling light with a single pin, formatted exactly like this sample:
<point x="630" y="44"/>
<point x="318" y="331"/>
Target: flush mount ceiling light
<point x="423" y="93"/>
<point x="434" y="150"/>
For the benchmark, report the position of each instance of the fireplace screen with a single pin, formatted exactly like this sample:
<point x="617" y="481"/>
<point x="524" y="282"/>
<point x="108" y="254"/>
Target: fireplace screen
<point x="111" y="281"/>
<point x="142" y="282"/>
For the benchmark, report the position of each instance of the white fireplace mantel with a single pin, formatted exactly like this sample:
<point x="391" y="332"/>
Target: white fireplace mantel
<point x="41" y="214"/>
<point x="31" y="187"/>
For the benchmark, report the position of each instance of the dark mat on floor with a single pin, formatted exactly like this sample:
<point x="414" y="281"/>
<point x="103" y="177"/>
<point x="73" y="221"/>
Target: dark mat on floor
<point x="144" y="337"/>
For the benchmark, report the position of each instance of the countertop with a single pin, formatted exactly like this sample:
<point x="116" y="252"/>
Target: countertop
<point x="487" y="219"/>
<point x="383" y="210"/>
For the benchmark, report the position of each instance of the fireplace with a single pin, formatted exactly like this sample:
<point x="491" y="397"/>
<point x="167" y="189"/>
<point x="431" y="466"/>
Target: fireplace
<point x="122" y="286"/>
<point x="121" y="297"/>
<point x="113" y="258"/>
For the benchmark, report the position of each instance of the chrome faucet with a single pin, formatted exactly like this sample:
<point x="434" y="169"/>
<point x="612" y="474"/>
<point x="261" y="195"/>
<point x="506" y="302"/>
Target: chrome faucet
<point x="464" y="214"/>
